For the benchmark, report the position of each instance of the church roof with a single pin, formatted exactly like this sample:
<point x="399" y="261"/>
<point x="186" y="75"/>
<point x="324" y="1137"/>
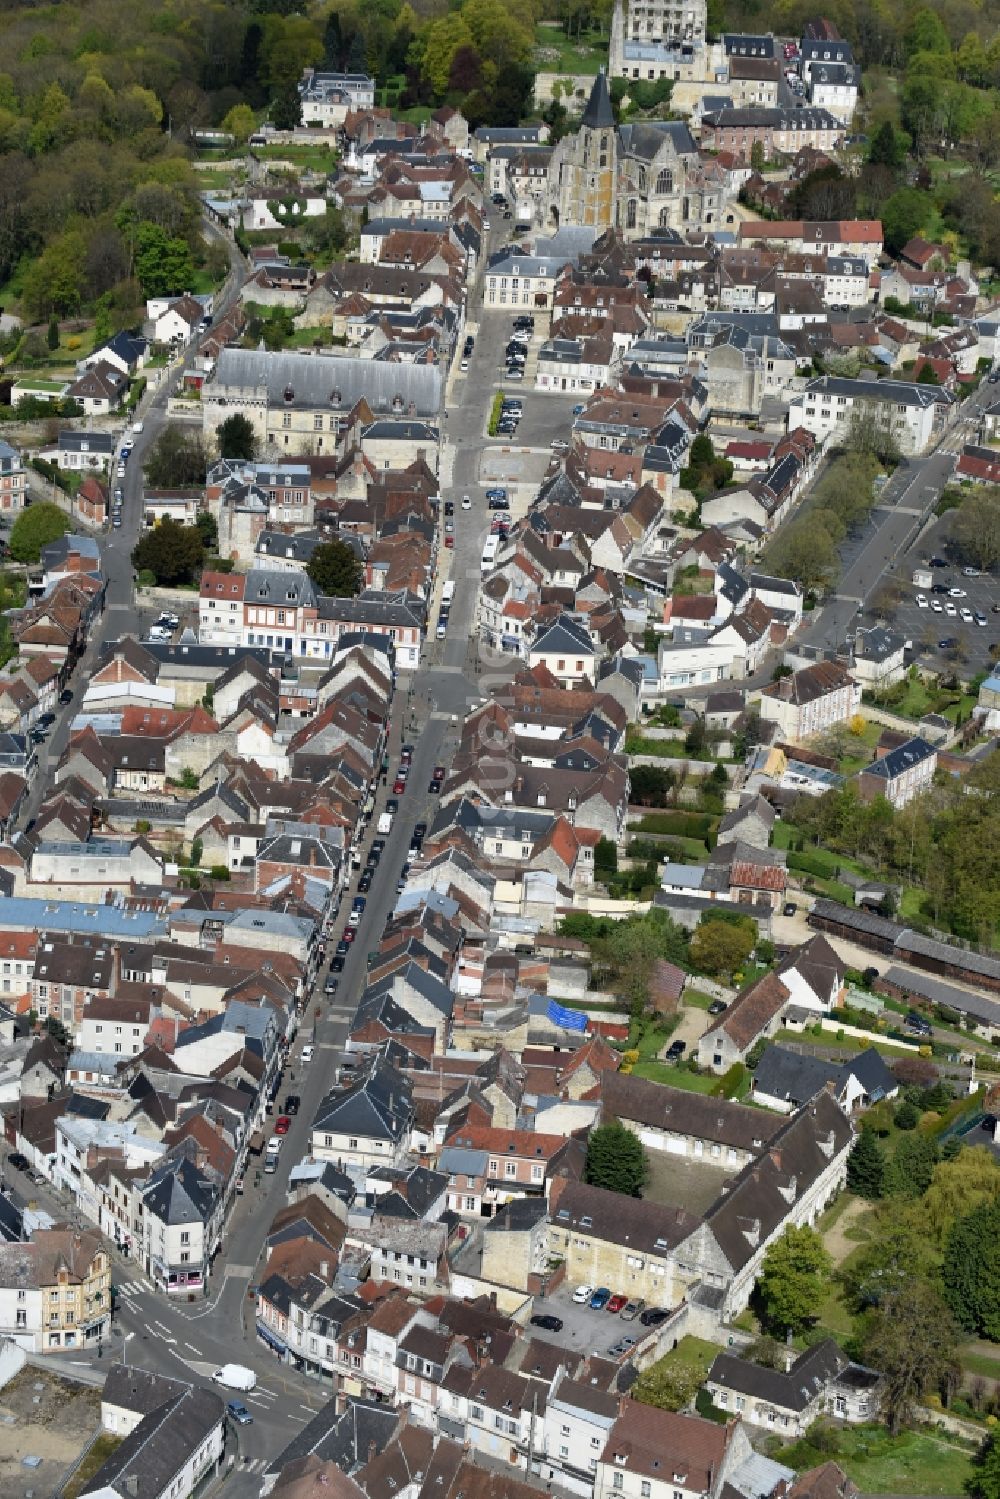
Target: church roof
<point x="598" y="114"/>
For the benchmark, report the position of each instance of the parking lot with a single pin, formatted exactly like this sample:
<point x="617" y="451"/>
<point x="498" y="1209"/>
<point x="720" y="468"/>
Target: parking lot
<point x="583" y="1330"/>
<point x="928" y="627"/>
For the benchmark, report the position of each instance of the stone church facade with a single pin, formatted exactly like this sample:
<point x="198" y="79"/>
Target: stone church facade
<point x="635" y="178"/>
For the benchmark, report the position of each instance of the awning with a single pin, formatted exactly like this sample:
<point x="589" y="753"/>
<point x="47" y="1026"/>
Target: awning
<point x="271" y="1339"/>
<point x="257" y="1141"/>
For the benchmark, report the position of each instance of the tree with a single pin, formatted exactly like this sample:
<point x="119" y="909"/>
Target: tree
<point x="985" y="1480"/>
<point x="335" y="570"/>
<point x="237" y="438"/>
<point x="205" y="522"/>
<point x="616" y="1160"/>
<point x="886" y="149"/>
<point x="970" y="1270"/>
<point x="870" y="431"/>
<point x="958" y="1187"/>
<point x="171" y="552"/>
<point x="975" y="526"/>
<point x="651" y="785"/>
<point x="719" y="947"/>
<point x="669" y="1384"/>
<point x="805" y="552"/>
<point x="34" y="529"/>
<point x="757" y="157"/>
<point x="792" y="1280"/>
<point x="866" y="1165"/>
<point x="897" y="1254"/>
<point x="907" y="1116"/>
<point x="908" y="1173"/>
<point x="286" y="108"/>
<point x="52" y="338"/>
<point x="910" y="1338"/>
<point x="176" y="459"/>
<point x="240" y="122"/>
<point x="163" y="262"/>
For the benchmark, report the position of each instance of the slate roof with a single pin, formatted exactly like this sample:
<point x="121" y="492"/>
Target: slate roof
<point x="314" y="379"/>
<point x="685" y="1113"/>
<point x="598" y="114"/>
<point x="646" y="1226"/>
<point x="377" y="1106"/>
<point x="179" y="1193"/>
<point x="345" y="1439"/>
<point x="803" y="1383"/>
<point x="155" y="1453"/>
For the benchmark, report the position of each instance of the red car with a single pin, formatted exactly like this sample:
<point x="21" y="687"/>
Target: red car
<point x="349" y="934"/>
<point x="282" y="1124"/>
<point x="439" y="772"/>
<point x="398" y="787"/>
<point x="616" y="1303"/>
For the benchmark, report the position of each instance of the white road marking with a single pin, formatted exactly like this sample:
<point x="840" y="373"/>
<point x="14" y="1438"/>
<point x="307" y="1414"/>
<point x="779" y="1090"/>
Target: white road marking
<point x="192" y="1348"/>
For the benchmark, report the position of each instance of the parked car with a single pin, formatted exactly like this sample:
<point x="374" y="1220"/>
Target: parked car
<point x="582" y="1295"/>
<point x="337" y="961"/>
<point x="717" y="1006"/>
<point x="349" y="935"/>
<point x="391" y="806"/>
<point x="239" y="1413"/>
<point x="434" y="787"/>
<point x="466" y="502"/>
<point x="616" y="1303"/>
<point x="789" y="908"/>
<point x="18" y="1161"/>
<point x="918" y="1023"/>
<point x="282" y="1124"/>
<point x="631" y="1310"/>
<point x="653" y="1316"/>
<point x="332" y="984"/>
<point x="307" y="1052"/>
<point x="550" y="1323"/>
<point x="292" y="1104"/>
<point x="364" y="885"/>
<point x="398" y="787"/>
<point x="66" y="696"/>
<point x="600" y="1299"/>
<point x="675" y="1051"/>
<point x="342" y="948"/>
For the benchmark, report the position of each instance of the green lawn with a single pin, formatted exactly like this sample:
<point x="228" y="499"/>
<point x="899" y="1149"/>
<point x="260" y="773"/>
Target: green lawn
<point x="695" y="1354"/>
<point x="676" y="1077"/>
<point x="317" y="158"/>
<point x="917" y="698"/>
<point x="980" y="1363"/>
<point x="556" y="53"/>
<point x="912" y="1463"/>
<point x="860" y="749"/>
<point x="696" y="998"/>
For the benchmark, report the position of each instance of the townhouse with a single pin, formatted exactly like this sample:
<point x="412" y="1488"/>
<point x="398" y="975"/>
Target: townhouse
<point x="776" y="130"/>
<point x="811" y="701"/>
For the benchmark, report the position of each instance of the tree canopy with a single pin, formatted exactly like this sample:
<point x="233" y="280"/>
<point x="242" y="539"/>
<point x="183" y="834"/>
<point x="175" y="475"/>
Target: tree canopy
<point x="722" y="947"/>
<point x="616" y="1159"/>
<point x="176" y="459"/>
<point x="335" y="569"/>
<point x="236" y="437"/>
<point x="791" y="1281"/>
<point x="171" y="552"/>
<point x="34" y="528"/>
<point x="910" y="1338"/>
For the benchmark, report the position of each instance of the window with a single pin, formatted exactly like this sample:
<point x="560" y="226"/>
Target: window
<point x="631" y="213"/>
<point x="619" y="1482"/>
<point x="665" y="181"/>
<point x="646" y="1488"/>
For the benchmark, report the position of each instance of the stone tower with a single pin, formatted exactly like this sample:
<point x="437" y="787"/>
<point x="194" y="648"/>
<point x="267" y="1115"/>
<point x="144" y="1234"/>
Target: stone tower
<point x="587" y="164"/>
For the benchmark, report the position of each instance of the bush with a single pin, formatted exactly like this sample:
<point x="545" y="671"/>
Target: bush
<point x="219" y="872"/>
<point x="495" y="411"/>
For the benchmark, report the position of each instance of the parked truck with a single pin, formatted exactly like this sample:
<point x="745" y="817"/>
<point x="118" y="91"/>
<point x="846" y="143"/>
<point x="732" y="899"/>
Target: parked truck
<point x="385" y="823"/>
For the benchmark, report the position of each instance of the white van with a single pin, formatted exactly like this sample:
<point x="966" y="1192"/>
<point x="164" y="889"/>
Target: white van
<point x="448" y="591"/>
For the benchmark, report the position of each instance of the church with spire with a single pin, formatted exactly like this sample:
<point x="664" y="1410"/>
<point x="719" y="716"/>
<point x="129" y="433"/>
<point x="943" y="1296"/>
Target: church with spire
<point x="635" y="178"/>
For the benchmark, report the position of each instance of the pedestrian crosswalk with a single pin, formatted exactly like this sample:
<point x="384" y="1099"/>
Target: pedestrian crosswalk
<point x="254" y="1464"/>
<point x="129" y="1288"/>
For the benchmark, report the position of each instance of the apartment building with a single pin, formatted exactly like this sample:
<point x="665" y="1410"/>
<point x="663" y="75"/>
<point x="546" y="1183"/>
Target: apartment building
<point x="812" y="700"/>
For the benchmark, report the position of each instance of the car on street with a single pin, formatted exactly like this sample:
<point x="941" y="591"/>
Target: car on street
<point x="18" y="1161"/>
<point x="419" y="832"/>
<point x="66" y="696"/>
<point x="582" y="1295"/>
<point x="391" y="806"/>
<point x="937" y="606"/>
<point x="616" y="1304"/>
<point x="466" y="502"/>
<point x="292" y="1103"/>
<point x="600" y="1299"/>
<point x="559" y="445"/>
<point x="980" y="619"/>
<point x="337" y="961"/>
<point x="434" y="787"/>
<point x="398" y="787"/>
<point x="282" y="1124"/>
<point x="515" y="374"/>
<point x="546" y="1320"/>
<point x="972" y="572"/>
<point x="331" y="985"/>
<point x="116" y="521"/>
<point x="966" y="615"/>
<point x="956" y="593"/>
<point x="342" y="948"/>
<point x="349" y="935"/>
<point x="653" y="1316"/>
<point x="449" y="528"/>
<point x="921" y="601"/>
<point x="239" y="1413"/>
<point x="354" y="919"/>
<point x="364" y="885"/>
<point x="631" y="1310"/>
<point x="307" y="1052"/>
<point x="947" y="643"/>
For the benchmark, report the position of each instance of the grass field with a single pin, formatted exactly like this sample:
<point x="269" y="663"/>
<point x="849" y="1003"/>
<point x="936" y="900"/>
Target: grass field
<point x="556" y="53"/>
<point x="693" y="1354"/>
<point x="655" y="1071"/>
<point x="912" y="1463"/>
